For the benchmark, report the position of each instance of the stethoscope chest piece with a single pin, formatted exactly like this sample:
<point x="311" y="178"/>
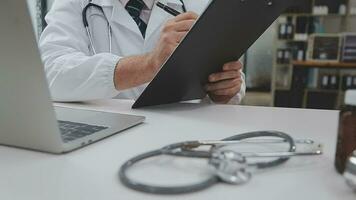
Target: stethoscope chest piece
<point x="231" y="167"/>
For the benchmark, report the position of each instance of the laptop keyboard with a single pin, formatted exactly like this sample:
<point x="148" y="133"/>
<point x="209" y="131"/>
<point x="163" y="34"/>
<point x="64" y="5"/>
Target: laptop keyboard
<point x="72" y="130"/>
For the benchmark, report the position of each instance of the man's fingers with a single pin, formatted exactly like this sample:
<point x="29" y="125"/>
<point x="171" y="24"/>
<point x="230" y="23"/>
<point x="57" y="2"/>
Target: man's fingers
<point x="176" y="37"/>
<point x="179" y="36"/>
<point x="223" y="84"/>
<point x="228" y="92"/>
<point x="186" y="16"/>
<point x="184" y="26"/>
<point x="173" y="37"/>
<point x="175" y="29"/>
<point x="224" y="75"/>
<point x="237" y="65"/>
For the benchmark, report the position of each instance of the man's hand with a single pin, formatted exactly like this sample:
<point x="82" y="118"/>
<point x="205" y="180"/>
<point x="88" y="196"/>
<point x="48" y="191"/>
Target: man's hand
<point x="137" y="70"/>
<point x="172" y="34"/>
<point x="223" y="86"/>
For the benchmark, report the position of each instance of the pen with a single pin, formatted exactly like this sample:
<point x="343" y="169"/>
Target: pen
<point x="168" y="9"/>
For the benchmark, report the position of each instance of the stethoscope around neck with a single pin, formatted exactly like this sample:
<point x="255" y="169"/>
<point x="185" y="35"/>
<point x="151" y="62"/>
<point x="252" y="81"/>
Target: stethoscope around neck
<point x="87" y="28"/>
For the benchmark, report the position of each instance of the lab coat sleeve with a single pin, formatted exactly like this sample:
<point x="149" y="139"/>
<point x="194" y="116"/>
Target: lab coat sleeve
<point x="73" y="74"/>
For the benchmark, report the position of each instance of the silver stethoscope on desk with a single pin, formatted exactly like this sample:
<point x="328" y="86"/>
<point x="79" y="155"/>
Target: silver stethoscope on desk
<point x="229" y="166"/>
<point x="87" y="28"/>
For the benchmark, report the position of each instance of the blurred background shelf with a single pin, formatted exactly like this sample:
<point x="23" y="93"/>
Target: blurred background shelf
<point x="304" y="83"/>
<point x="314" y="64"/>
<point x="315" y="15"/>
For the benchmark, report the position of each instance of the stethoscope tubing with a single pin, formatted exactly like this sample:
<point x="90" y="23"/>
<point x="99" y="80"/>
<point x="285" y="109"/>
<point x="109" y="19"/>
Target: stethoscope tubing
<point x="172" y="150"/>
<point x="87" y="27"/>
<point x="160" y="189"/>
<point x="260" y="165"/>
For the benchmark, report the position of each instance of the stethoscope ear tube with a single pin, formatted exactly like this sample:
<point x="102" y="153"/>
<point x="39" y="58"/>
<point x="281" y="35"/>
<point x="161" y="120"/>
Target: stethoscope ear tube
<point x="84" y="15"/>
<point x="85" y="11"/>
<point x="87" y="29"/>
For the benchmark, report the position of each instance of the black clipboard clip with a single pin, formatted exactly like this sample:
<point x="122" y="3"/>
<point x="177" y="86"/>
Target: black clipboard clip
<point x="268" y="2"/>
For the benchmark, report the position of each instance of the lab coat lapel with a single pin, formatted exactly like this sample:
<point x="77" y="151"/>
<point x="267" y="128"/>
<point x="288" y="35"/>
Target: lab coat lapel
<point x="102" y="3"/>
<point x="122" y="17"/>
<point x="158" y="17"/>
<point x="197" y="6"/>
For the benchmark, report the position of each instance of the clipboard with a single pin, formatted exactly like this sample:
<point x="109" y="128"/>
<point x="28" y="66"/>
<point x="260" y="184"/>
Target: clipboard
<point x="223" y="33"/>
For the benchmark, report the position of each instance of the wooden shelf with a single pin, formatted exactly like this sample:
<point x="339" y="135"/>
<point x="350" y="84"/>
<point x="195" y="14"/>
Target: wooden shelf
<point x="339" y="91"/>
<point x="313" y="64"/>
<point x="315" y="15"/>
<point x="322" y="90"/>
<point x="296" y="95"/>
<point x="292" y="40"/>
<point x="283" y="88"/>
<point x="282" y="64"/>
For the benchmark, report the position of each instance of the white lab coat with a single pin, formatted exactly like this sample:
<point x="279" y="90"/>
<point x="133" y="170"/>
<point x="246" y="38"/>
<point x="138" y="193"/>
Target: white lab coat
<point x="73" y="72"/>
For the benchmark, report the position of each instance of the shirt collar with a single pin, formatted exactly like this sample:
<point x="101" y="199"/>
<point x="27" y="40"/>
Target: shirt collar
<point x="148" y="3"/>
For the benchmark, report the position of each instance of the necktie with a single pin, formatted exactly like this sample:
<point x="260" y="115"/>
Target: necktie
<point x="134" y="7"/>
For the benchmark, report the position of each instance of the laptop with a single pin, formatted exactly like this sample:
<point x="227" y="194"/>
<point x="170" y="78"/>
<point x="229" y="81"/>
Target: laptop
<point x="28" y="118"/>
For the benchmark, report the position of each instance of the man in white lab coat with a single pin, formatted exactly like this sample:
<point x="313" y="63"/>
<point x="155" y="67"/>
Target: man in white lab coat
<point x="142" y="39"/>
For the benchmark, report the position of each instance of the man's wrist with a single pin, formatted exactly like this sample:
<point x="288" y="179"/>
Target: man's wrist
<point x="134" y="70"/>
<point x="151" y="63"/>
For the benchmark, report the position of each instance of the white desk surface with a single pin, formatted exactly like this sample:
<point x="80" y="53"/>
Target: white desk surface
<point x="91" y="172"/>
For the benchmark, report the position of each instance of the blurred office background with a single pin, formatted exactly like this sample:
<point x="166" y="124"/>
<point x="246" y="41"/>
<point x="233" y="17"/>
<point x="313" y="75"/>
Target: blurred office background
<point x="38" y="10"/>
<point x="306" y="59"/>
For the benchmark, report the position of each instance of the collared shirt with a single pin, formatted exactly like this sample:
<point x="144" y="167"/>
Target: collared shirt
<point x="146" y="12"/>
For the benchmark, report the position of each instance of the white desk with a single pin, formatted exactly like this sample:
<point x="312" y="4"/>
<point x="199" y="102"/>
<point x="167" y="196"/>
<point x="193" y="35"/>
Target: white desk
<point x="91" y="173"/>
